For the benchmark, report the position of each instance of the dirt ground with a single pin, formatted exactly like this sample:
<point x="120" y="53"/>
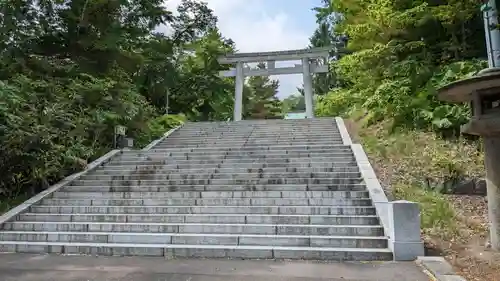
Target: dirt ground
<point x="469" y="251"/>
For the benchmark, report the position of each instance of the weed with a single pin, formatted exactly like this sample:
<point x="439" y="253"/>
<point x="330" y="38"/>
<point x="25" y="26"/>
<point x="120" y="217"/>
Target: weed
<point x="417" y="164"/>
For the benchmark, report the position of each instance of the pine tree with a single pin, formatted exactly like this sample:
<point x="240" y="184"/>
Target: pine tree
<point x="262" y="101"/>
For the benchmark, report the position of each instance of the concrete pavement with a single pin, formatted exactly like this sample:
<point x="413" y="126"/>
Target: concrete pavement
<point x="28" y="267"/>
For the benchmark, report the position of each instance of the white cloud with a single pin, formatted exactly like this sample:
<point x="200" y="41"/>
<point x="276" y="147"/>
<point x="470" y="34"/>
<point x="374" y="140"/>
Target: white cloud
<point x="253" y="29"/>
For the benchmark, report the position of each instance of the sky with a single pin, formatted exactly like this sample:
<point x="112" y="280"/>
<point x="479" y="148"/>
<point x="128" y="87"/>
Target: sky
<point x="266" y="25"/>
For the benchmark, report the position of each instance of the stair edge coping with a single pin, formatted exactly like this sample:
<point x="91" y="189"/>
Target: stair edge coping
<point x="23" y="207"/>
<point x="389" y="218"/>
<point x="344" y="134"/>
<point x="166" y="135"/>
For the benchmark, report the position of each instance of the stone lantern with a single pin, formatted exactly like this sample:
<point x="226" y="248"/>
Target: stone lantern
<point x="483" y="93"/>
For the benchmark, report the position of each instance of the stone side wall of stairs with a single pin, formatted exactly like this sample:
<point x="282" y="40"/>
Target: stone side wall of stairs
<point x="248" y="189"/>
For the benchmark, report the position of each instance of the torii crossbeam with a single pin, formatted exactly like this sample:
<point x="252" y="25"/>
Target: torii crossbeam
<point x="309" y="58"/>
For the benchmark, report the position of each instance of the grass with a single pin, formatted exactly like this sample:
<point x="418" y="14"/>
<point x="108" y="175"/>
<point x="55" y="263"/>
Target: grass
<point x="416" y="165"/>
<point x="438" y="218"/>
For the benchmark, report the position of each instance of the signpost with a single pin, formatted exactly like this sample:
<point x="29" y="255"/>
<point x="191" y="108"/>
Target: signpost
<point x="120" y="132"/>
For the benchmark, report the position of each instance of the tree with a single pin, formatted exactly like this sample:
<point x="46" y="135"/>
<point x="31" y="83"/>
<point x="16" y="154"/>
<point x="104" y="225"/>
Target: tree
<point x="262" y="102"/>
<point x="326" y="36"/>
<point x="199" y="87"/>
<point x="70" y="73"/>
<point x="401" y="52"/>
<point x="184" y="67"/>
<point x="293" y="103"/>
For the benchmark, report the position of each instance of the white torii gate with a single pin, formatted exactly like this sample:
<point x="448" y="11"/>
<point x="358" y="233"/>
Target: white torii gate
<point x="309" y="65"/>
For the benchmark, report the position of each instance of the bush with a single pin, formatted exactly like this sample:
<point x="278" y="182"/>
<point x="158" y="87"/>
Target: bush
<point x="52" y="128"/>
<point x="405" y="94"/>
<point x="158" y="126"/>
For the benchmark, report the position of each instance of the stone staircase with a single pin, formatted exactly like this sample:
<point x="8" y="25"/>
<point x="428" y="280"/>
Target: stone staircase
<point x="248" y="189"/>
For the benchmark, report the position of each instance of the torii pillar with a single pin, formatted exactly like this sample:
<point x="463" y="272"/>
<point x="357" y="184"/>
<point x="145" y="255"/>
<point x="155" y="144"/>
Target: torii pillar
<point x="238" y="97"/>
<point x="308" y="90"/>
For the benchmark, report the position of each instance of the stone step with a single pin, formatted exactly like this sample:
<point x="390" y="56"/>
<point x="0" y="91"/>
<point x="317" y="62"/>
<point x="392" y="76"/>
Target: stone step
<point x="285" y="158"/>
<point x="218" y="146"/>
<point x="232" y="170"/>
<point x="189" y="165"/>
<point x="370" y="242"/>
<point x="253" y="136"/>
<point x="211" y="202"/>
<point x="327" y="132"/>
<point x="215" y="182"/>
<point x="320" y="167"/>
<point x="249" y="124"/>
<point x="197" y="152"/>
<point x="270" y="210"/>
<point x="203" y="218"/>
<point x="280" y="160"/>
<point x="231" y="143"/>
<point x="256" y="126"/>
<point x="198" y="251"/>
<point x="231" y="158"/>
<point x="213" y="194"/>
<point x="317" y="175"/>
<point x="256" y="139"/>
<point x="254" y="148"/>
<point x="185" y="165"/>
<point x="274" y="150"/>
<point x="266" y="122"/>
<point x="278" y="123"/>
<point x="164" y="145"/>
<point x="307" y="133"/>
<point x="237" y="155"/>
<point x="160" y="174"/>
<point x="259" y="187"/>
<point x="199" y="228"/>
<point x="256" y="129"/>
<point x="229" y="154"/>
<point x="331" y="140"/>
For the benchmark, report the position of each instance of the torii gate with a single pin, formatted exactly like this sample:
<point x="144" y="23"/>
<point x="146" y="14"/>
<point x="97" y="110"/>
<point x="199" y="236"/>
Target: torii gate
<point x="309" y="65"/>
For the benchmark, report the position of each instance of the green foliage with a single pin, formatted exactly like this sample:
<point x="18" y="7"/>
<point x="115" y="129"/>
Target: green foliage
<point x="70" y="73"/>
<point x="260" y="98"/>
<point x="436" y="212"/>
<point x="416" y="165"/>
<point x="199" y="90"/>
<point x="403" y="51"/>
<point x="158" y="126"/>
<point x="293" y="103"/>
<point x="324" y="36"/>
<point x="49" y="128"/>
<point x="339" y="102"/>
